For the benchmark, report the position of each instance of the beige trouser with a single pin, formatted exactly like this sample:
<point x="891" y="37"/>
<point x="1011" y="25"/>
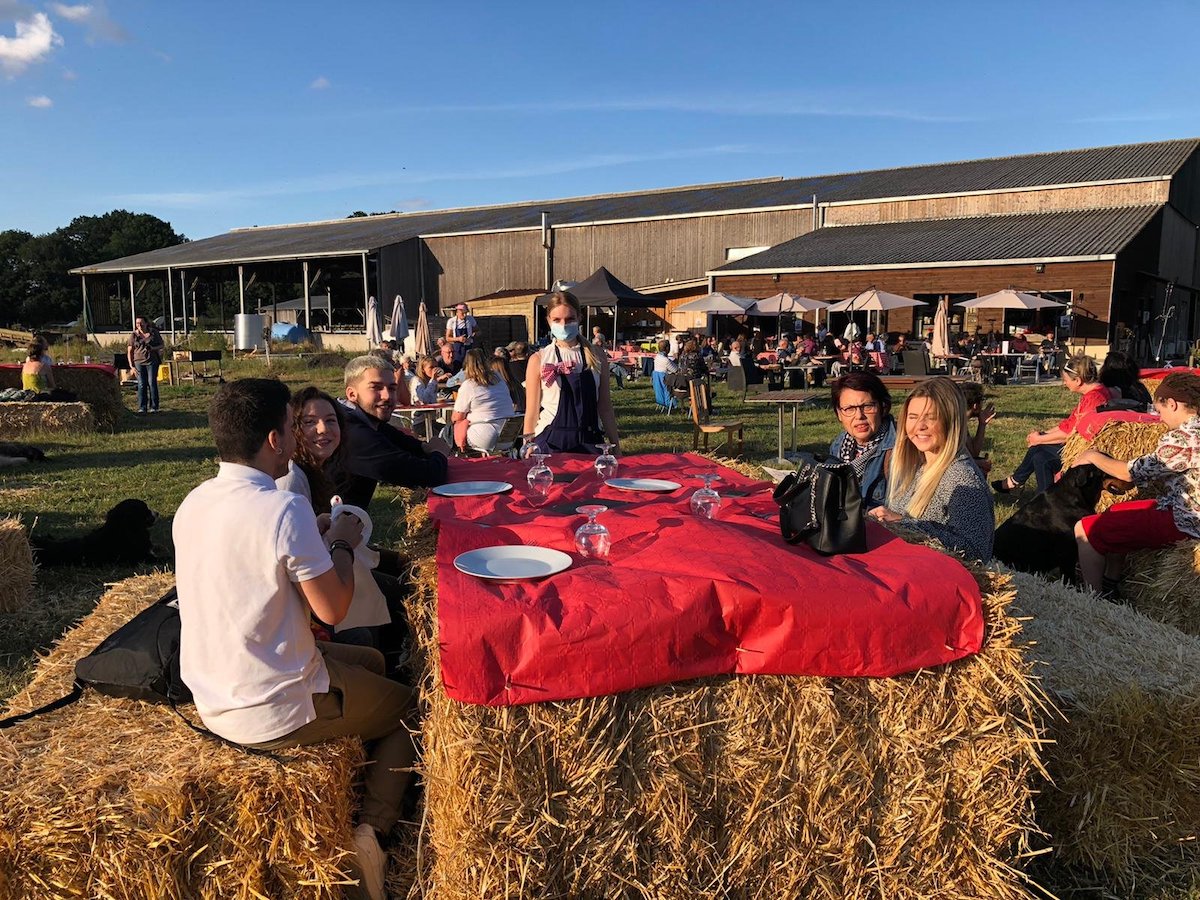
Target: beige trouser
<point x="361" y="701"/>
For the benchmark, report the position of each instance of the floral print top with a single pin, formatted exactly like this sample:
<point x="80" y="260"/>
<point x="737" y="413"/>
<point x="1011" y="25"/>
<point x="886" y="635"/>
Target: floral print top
<point x="1176" y="462"/>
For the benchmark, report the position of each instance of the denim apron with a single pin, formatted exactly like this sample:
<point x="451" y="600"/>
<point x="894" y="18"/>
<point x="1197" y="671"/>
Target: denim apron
<point x="574" y="428"/>
<point x="461" y="329"/>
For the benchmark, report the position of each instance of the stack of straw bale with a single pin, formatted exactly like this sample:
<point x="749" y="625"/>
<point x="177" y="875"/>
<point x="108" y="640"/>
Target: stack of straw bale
<point x="119" y="799"/>
<point x="1120" y="440"/>
<point x="1124" y="761"/>
<point x="16" y="565"/>
<point x="98" y="389"/>
<point x="1164" y="584"/>
<point x="18" y="418"/>
<point x="917" y="786"/>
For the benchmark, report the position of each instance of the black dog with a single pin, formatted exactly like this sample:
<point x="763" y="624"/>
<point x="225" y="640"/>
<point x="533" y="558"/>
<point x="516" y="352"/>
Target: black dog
<point x="123" y="538"/>
<point x="12" y="454"/>
<point x="1040" y="535"/>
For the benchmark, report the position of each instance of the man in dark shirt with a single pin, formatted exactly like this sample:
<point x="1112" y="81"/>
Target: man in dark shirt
<point x="376" y="451"/>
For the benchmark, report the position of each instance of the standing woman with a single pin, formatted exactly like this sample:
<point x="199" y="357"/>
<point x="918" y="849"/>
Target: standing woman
<point x="568" y="408"/>
<point x="933" y="484"/>
<point x="460" y="332"/>
<point x="145" y="355"/>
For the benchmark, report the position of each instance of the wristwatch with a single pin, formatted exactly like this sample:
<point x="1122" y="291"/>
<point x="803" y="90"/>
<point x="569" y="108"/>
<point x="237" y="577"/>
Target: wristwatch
<point x="341" y="545"/>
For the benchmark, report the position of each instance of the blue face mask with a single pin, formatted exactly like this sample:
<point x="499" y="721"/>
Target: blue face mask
<point x="565" y="332"/>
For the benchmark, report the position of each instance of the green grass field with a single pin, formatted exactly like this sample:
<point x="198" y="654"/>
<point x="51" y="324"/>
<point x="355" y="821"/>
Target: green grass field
<point x="160" y="458"/>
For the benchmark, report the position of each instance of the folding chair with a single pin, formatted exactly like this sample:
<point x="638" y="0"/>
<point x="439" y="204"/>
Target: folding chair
<point x="510" y="431"/>
<point x="1029" y="364"/>
<point x="663" y="398"/>
<point x="698" y="396"/>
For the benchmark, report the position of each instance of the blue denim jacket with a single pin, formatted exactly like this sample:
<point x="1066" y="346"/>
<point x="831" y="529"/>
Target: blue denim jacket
<point x="874" y="480"/>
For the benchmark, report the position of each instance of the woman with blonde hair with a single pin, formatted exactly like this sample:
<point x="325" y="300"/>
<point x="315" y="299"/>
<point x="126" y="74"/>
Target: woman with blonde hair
<point x="481" y="406"/>
<point x="567" y="398"/>
<point x="933" y="484"/>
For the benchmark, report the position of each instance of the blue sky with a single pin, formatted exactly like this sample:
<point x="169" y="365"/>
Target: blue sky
<point x="215" y="115"/>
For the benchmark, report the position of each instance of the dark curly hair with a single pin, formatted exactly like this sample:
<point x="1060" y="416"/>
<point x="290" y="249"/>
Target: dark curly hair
<point x="321" y="476"/>
<point x="1182" y="387"/>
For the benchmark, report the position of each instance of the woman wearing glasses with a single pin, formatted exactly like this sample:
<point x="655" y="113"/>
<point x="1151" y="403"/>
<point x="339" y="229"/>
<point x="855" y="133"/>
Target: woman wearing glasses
<point x="933" y="484"/>
<point x="863" y="406"/>
<point x="1044" y="456"/>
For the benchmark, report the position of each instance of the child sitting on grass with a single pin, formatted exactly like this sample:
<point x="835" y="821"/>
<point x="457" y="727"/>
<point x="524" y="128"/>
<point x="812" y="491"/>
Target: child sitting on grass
<point x="1104" y="539"/>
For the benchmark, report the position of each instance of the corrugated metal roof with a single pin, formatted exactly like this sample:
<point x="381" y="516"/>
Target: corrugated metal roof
<point x="351" y="236"/>
<point x="1051" y="235"/>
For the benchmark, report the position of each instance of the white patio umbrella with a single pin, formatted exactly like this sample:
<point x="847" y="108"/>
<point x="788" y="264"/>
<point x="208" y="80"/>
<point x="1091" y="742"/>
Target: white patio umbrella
<point x="784" y="302"/>
<point x="421" y="343"/>
<point x="374" y="326"/>
<point x="718" y="304"/>
<point x="1009" y="298"/>
<point x="399" y="326"/>
<point x="941" y="330"/>
<point x="874" y="300"/>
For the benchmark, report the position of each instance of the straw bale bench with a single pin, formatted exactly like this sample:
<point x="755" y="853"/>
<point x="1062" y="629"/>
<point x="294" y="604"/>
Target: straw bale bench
<point x="1121" y="440"/>
<point x="93" y="385"/>
<point x="1124" y="759"/>
<point x="16" y="565"/>
<point x="115" y="798"/>
<point x="19" y="417"/>
<point x="908" y="787"/>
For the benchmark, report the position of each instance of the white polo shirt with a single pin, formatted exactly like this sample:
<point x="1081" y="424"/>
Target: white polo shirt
<point x="246" y="650"/>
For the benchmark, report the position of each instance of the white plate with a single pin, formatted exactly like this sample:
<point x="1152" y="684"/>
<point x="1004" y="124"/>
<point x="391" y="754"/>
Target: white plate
<point x="643" y="484"/>
<point x="472" y="488"/>
<point x="511" y="563"/>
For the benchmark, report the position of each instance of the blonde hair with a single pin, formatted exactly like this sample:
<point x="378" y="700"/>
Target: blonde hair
<point x="476" y="366"/>
<point x="422" y="363"/>
<point x="1082" y="367"/>
<point x="360" y="364"/>
<point x="951" y="411"/>
<point x="566" y="298"/>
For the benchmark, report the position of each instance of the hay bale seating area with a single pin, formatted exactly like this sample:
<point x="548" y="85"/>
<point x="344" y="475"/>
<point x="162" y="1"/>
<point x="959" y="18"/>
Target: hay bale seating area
<point x="1121" y="440"/>
<point x="94" y="386"/>
<point x="119" y="799"/>
<point x="16" y="565"/>
<point x="1125" y="755"/>
<point x="918" y="786"/>
<point x="21" y="418"/>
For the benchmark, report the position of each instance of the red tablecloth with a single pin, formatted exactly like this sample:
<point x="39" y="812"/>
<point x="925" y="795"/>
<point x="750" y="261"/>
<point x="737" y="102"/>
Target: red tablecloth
<point x="100" y="367"/>
<point x="680" y="597"/>
<point x="1162" y="373"/>
<point x="1089" y="426"/>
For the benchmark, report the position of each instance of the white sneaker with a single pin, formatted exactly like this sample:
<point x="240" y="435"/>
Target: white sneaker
<point x="372" y="862"/>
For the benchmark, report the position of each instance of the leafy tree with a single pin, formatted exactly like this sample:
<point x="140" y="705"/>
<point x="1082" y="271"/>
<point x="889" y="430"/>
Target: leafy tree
<point x="14" y="274"/>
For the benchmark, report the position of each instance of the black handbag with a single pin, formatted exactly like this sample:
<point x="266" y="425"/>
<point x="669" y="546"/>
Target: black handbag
<point x="821" y="503"/>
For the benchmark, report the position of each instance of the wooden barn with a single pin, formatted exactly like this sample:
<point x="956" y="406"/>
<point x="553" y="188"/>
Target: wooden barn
<point x="1112" y="231"/>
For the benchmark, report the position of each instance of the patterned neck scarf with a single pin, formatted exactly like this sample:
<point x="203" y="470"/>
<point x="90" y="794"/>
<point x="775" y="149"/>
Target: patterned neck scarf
<point x="849" y="450"/>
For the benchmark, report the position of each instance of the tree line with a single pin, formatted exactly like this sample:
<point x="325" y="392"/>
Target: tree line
<point x="35" y="289"/>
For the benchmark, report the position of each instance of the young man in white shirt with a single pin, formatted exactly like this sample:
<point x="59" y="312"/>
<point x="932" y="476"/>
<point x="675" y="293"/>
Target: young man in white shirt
<point x="251" y="561"/>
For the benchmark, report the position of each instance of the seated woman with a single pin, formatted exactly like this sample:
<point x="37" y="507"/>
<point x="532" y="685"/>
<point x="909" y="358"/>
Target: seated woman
<point x="1044" y="456"/>
<point x="481" y="406"/>
<point x="1104" y="539"/>
<point x="689" y="365"/>
<point x="37" y="374"/>
<point x="933" y="484"/>
<point x="568" y="407"/>
<point x="318" y="425"/>
<point x="864" y="408"/>
<point x="1122" y="376"/>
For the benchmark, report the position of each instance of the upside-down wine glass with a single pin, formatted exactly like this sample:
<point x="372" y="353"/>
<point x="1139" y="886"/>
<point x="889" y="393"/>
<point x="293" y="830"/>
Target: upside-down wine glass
<point x="606" y="463"/>
<point x="591" y="538"/>
<point x="706" y="501"/>
<point x="540" y="478"/>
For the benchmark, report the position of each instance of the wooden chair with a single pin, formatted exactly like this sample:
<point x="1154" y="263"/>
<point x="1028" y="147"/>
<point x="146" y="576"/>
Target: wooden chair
<point x="699" y="397"/>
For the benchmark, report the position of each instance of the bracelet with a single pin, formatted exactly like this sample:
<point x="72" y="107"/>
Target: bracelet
<point x="341" y="545"/>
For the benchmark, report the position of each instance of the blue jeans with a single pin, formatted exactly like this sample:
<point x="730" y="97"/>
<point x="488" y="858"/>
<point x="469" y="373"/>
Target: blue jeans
<point x="147" y="377"/>
<point x="1043" y="460"/>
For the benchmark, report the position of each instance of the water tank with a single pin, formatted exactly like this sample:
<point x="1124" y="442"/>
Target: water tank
<point x="248" y="331"/>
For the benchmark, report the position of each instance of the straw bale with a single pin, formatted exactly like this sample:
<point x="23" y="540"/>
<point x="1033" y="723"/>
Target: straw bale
<point x="1121" y="440"/>
<point x="96" y="388"/>
<point x="918" y="786"/>
<point x="18" y="418"/>
<point x="119" y="799"/>
<point x="1164" y="584"/>
<point x="1124" y="760"/>
<point x="16" y="565"/>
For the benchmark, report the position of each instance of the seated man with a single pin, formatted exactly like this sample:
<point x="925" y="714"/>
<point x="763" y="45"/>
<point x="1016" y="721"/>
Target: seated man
<point x="250" y="563"/>
<point x="447" y="363"/>
<point x="784" y="351"/>
<point x="376" y="451"/>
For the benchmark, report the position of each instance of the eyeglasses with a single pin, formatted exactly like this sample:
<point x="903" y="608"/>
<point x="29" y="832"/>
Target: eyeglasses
<point x="867" y="409"/>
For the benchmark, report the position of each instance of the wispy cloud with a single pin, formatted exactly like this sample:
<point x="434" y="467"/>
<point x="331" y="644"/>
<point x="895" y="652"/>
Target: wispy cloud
<point x="320" y="83"/>
<point x="95" y="18"/>
<point x="753" y="105"/>
<point x="1129" y="117"/>
<point x="69" y="75"/>
<point x="334" y="182"/>
<point x="412" y="204"/>
<point x="35" y="39"/>
<point x="162" y="55"/>
<point x="40" y="102"/>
